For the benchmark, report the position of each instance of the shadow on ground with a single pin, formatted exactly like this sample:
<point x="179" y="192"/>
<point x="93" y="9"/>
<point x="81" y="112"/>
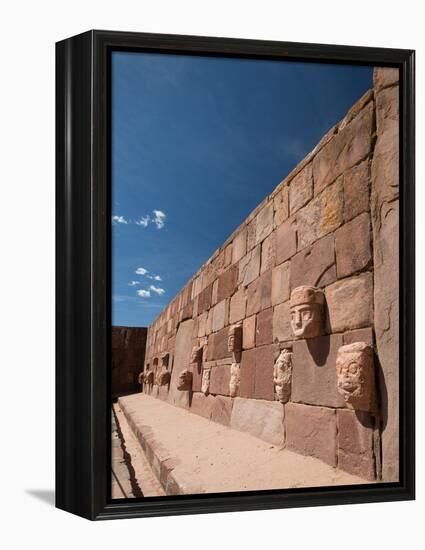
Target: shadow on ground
<point x="45" y="495"/>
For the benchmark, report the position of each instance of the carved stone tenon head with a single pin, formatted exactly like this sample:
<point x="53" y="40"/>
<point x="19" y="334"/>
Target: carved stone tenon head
<point x="184" y="382"/>
<point x="355" y="375"/>
<point x="282" y="376"/>
<point x="196" y="355"/>
<point x="307" y="311"/>
<point x="234" y="341"/>
<point x="235" y="379"/>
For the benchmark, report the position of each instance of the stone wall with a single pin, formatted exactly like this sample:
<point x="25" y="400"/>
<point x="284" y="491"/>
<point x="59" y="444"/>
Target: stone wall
<point x="332" y="223"/>
<point x="128" y="355"/>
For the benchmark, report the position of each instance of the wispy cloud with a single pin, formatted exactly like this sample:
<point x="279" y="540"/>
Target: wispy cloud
<point x="157" y="290"/>
<point x="141" y="271"/>
<point x="119" y="219"/>
<point x="143" y="220"/>
<point x="154" y="277"/>
<point x="144" y="293"/>
<point x="134" y="283"/>
<point x="159" y="218"/>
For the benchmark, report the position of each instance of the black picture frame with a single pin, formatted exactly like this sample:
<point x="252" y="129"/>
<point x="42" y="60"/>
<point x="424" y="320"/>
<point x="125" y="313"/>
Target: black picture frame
<point x="83" y="214"/>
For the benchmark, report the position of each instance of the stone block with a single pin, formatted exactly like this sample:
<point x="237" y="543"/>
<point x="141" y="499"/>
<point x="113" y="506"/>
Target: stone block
<point x="237" y="306"/>
<point x="264" y="362"/>
<point x="348" y="147"/>
<point x="249" y="328"/>
<point x="214" y="296"/>
<point x="262" y="419"/>
<point x="222" y="410"/>
<point x="196" y="378"/>
<point x="282" y="331"/>
<point x="202" y="404"/>
<point x="350" y="303"/>
<point x="204" y="299"/>
<point x="286" y="241"/>
<point x="356" y="190"/>
<point x="311" y="431"/>
<point x="202" y="324"/>
<point x="228" y="253"/>
<point x="359" y="335"/>
<point x="315" y="265"/>
<point x="264" y="330"/>
<point x="281" y="283"/>
<point x="220" y="312"/>
<point x="384" y="76"/>
<point x="220" y="379"/>
<point x="227" y="283"/>
<point x="355" y="443"/>
<point x="314" y="380"/>
<point x="249" y="267"/>
<point x="352" y="246"/>
<point x="239" y="246"/>
<point x="246" y="388"/>
<point x="268" y="252"/>
<point x="301" y="189"/>
<point x="217" y="345"/>
<point x="251" y="235"/>
<point x="281" y="206"/>
<point x="264" y="223"/>
<point x="260" y="293"/>
<point x="321" y="216"/>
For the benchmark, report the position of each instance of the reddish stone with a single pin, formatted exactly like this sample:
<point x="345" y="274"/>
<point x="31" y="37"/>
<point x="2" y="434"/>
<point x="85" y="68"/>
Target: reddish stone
<point x="264" y="223"/>
<point x="202" y="404"/>
<point x="204" y="299"/>
<point x="239" y="246"/>
<point x="356" y="443"/>
<point x="237" y="306"/>
<point x="356" y="191"/>
<point x="264" y="363"/>
<point x="264" y="331"/>
<point x="217" y="345"/>
<point x="281" y="205"/>
<point x="359" y="335"/>
<point x="220" y="313"/>
<point x="282" y="331"/>
<point x="311" y="431"/>
<point x="196" y="377"/>
<point x="249" y="266"/>
<point x="246" y="388"/>
<point x="227" y="283"/>
<point x="352" y="245"/>
<point x="315" y="265"/>
<point x="228" y="255"/>
<point x="187" y="311"/>
<point x="286" y="241"/>
<point x="248" y="328"/>
<point x="384" y="76"/>
<point x="301" y="189"/>
<point x="281" y="283"/>
<point x="262" y="419"/>
<point x="222" y="410"/>
<point x="268" y="252"/>
<point x="220" y="379"/>
<point x="259" y="293"/>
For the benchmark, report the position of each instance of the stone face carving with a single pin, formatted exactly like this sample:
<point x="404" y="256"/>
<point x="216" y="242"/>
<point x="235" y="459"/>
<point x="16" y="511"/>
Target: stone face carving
<point x="196" y="355"/>
<point x="206" y="377"/>
<point x="234" y="342"/>
<point x="235" y="378"/>
<point x="165" y="359"/>
<point x="282" y="376"/>
<point x="184" y="382"/>
<point x="164" y="377"/>
<point x="355" y="373"/>
<point x="307" y="311"/>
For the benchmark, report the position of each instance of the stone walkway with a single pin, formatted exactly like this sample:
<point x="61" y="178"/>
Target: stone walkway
<point x="190" y="454"/>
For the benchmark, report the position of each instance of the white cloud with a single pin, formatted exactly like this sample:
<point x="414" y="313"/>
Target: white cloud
<point x="119" y="219"/>
<point x="159" y="219"/>
<point x="141" y="271"/>
<point x="134" y="283"/>
<point x="157" y="278"/>
<point x="144" y="293"/>
<point x="157" y="290"/>
<point x="144" y="220"/>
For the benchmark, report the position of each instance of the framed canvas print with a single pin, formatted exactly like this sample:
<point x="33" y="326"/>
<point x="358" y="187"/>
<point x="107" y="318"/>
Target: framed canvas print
<point x="235" y="274"/>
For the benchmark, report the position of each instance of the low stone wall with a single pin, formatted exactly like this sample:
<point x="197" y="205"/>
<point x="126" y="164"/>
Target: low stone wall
<point x="309" y="285"/>
<point x="128" y="356"/>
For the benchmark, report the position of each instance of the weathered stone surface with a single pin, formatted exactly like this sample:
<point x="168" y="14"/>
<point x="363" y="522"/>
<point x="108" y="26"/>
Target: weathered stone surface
<point x="350" y="303"/>
<point x="222" y="410"/>
<point x="259" y="293"/>
<point x="217" y="345"/>
<point x="228" y="255"/>
<point x="249" y="328"/>
<point x="219" y="379"/>
<point x="384" y="76"/>
<point x="281" y="206"/>
<point x="282" y="331"/>
<point x="352" y="246"/>
<point x="268" y="252"/>
<point x="286" y="241"/>
<point x="315" y="265"/>
<point x="356" y="190"/>
<point x="264" y="364"/>
<point x="237" y="306"/>
<point x="314" y="379"/>
<point x="311" y="431"/>
<point x="356" y="109"/>
<point x="202" y="324"/>
<point x="202" y="404"/>
<point x="227" y="283"/>
<point x="301" y="189"/>
<point x="359" y="335"/>
<point x="219" y="315"/>
<point x="264" y="225"/>
<point x="204" y="299"/>
<point x="246" y="388"/>
<point x="239" y="246"/>
<point x="346" y="149"/>
<point x="214" y="296"/>
<point x="262" y="419"/>
<point x="281" y="283"/>
<point x="249" y="266"/>
<point x="355" y="443"/>
<point x="251" y="235"/>
<point x="322" y="215"/>
<point x="264" y="331"/>
<point x="183" y="351"/>
<point x="128" y="355"/>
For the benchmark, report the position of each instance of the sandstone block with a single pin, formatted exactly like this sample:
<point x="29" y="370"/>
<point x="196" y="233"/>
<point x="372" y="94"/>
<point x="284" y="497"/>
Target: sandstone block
<point x="249" y="266"/>
<point x="239" y="246"/>
<point x="202" y="404"/>
<point x="237" y="306"/>
<point x="246" y="388"/>
<point x="314" y="380"/>
<point x="219" y="315"/>
<point x="251" y="235"/>
<point x="282" y="331"/>
<point x="268" y="252"/>
<point x="355" y="443"/>
<point x="281" y="283"/>
<point x="315" y="265"/>
<point x="356" y="191"/>
<point x="359" y="335"/>
<point x="352" y="245"/>
<point x="202" y="324"/>
<point x="227" y="283"/>
<point x="204" y="299"/>
<point x="228" y="253"/>
<point x="262" y="419"/>
<point x="217" y="345"/>
<point x="220" y="378"/>
<point x="301" y="189"/>
<point x="384" y="76"/>
<point x="259" y="293"/>
<point x="321" y="216"/>
<point x="311" y="431"/>
<point x="222" y="410"/>
<point x="264" y="330"/>
<point x="281" y="206"/>
<point x="214" y="296"/>
<point x="264" y="223"/>
<point x="286" y="241"/>
<point x="347" y="148"/>
<point x="264" y="363"/>
<point x="249" y="328"/>
<point x="350" y="303"/>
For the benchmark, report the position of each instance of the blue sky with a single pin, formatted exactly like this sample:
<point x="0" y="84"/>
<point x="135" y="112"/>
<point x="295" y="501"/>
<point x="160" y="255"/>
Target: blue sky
<point x="197" y="143"/>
